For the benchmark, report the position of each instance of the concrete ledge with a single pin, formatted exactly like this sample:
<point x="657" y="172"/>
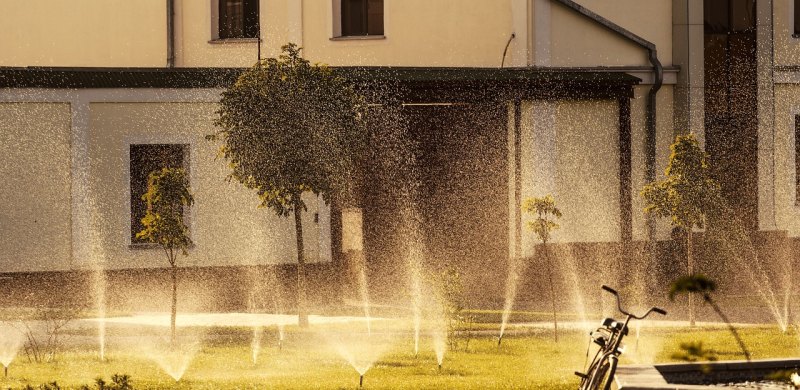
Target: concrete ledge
<point x="693" y="376"/>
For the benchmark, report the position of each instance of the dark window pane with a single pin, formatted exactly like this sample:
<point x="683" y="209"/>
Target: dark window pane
<point x="231" y="21"/>
<point x="743" y="15"/>
<point x="717" y="16"/>
<point x="251" y="24"/>
<point x="362" y="17"/>
<point x="797" y="17"/>
<point x="354" y="17"/>
<point x="143" y="160"/>
<point x="726" y="16"/>
<point x="238" y="18"/>
<point x="375" y="17"/>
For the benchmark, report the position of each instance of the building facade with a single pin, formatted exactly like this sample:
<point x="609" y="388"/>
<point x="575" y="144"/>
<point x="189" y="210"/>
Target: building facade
<point x="589" y="96"/>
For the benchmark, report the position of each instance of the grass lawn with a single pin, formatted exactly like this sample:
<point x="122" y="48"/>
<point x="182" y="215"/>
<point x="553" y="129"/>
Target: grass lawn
<point x="310" y="359"/>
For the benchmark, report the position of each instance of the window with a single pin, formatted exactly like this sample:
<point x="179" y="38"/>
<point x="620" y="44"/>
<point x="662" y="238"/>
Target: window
<point x="238" y="19"/>
<point x="726" y="16"/>
<point x="146" y="158"/>
<point x="362" y="17"/>
<point x="796" y="27"/>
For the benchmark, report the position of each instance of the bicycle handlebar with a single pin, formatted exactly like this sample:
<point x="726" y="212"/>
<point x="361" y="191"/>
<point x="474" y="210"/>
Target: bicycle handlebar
<point x="619" y="306"/>
<point x="609" y="289"/>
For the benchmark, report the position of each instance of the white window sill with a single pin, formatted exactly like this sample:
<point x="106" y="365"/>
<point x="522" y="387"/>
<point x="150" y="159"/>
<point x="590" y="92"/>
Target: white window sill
<point x="359" y="38"/>
<point x="232" y="40"/>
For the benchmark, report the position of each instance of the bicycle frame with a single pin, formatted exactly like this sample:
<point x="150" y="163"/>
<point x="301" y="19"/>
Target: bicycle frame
<point x="604" y="364"/>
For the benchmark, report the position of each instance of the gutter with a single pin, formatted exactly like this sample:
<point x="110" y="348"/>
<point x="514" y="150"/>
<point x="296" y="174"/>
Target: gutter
<point x="650" y="121"/>
<point x="170" y="33"/>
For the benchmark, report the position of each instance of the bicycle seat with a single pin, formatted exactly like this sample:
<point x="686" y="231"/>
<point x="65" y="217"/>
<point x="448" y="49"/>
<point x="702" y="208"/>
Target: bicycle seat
<point x="614" y="326"/>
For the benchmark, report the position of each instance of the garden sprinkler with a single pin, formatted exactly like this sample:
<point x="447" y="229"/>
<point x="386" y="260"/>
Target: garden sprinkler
<point x="499" y="340"/>
<point x="440" y="367"/>
<point x="5" y="369"/>
<point x="361" y="381"/>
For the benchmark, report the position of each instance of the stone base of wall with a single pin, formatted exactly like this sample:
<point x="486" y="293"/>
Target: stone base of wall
<point x="748" y="275"/>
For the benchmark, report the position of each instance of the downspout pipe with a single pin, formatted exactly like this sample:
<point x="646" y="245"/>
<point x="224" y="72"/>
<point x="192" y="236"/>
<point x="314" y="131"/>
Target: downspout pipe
<point x="170" y="33"/>
<point x="658" y="80"/>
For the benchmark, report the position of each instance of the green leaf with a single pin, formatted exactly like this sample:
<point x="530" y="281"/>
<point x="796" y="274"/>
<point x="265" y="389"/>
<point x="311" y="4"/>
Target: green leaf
<point x="168" y="194"/>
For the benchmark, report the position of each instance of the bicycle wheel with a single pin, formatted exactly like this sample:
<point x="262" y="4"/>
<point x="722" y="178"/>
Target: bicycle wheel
<point x="603" y="374"/>
<point x="588" y="381"/>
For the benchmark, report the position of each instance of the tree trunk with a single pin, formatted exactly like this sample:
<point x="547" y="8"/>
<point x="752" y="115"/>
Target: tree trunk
<point x="174" y="312"/>
<point x="552" y="290"/>
<point x="302" y="319"/>
<point x="690" y="270"/>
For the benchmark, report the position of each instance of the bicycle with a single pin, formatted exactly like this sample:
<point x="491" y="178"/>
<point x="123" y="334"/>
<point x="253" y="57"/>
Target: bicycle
<point x="609" y="337"/>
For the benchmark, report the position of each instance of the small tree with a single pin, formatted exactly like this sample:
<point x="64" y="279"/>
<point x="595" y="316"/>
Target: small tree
<point x="699" y="284"/>
<point x="167" y="195"/>
<point x="546" y="214"/>
<point x="288" y="128"/>
<point x="685" y="195"/>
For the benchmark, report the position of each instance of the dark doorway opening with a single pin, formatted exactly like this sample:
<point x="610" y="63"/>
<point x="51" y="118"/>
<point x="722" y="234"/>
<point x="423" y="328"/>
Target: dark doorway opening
<point x="461" y="160"/>
<point x="731" y="105"/>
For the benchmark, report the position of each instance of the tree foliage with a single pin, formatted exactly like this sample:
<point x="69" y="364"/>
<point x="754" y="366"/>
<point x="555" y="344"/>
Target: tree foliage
<point x="692" y="284"/>
<point x="167" y="194"/>
<point x="289" y="127"/>
<point x="546" y="214"/>
<point x="688" y="192"/>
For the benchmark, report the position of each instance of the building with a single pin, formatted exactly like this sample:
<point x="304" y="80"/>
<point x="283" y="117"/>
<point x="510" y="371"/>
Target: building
<point x="95" y="91"/>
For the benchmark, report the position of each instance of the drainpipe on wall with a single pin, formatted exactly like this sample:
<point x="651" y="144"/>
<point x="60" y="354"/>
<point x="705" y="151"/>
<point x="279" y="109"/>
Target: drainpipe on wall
<point x="170" y="33"/>
<point x="658" y="79"/>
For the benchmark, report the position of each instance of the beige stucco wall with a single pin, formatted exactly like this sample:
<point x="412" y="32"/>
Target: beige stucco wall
<point x="35" y="167"/>
<point x="418" y="33"/>
<point x="227" y="228"/>
<point x="570" y="150"/>
<point x="193" y="31"/>
<point x="588" y="170"/>
<point x="787" y="211"/>
<point x="83" y="33"/>
<point x="578" y="41"/>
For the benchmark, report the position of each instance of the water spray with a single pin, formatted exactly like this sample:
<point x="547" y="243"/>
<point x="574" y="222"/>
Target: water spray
<point x="280" y="338"/>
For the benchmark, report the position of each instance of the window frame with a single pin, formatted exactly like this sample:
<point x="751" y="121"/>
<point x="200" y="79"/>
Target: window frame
<point x="216" y="25"/>
<point x="188" y="214"/>
<point x="338" y="15"/>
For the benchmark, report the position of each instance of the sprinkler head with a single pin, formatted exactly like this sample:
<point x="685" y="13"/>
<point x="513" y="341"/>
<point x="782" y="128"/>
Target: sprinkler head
<point x="440" y="367"/>
<point x="361" y="381"/>
<point x="6" y="370"/>
<point x="499" y="340"/>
